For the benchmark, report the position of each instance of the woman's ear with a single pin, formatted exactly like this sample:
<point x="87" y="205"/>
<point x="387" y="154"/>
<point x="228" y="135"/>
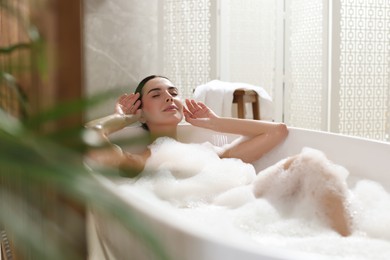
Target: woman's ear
<point x="142" y="119"/>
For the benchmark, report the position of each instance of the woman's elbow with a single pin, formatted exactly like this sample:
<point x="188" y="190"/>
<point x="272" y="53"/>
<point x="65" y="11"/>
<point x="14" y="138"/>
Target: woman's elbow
<point x="281" y="131"/>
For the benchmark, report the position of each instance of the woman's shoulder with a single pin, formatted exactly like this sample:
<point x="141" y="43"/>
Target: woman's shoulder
<point x="134" y="163"/>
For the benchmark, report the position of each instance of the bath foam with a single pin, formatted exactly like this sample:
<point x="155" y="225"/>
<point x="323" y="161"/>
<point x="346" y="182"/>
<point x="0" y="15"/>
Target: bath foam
<point x="224" y="208"/>
<point x="297" y="190"/>
<point x="372" y="205"/>
<point x="187" y="174"/>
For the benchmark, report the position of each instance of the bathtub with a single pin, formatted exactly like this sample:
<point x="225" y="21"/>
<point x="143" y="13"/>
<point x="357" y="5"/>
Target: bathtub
<point x="109" y="240"/>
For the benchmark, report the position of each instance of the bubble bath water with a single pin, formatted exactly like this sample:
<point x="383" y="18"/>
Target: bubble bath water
<point x="194" y="187"/>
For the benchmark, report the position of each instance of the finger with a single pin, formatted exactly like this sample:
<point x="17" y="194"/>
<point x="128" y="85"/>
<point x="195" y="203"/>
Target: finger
<point x="189" y="105"/>
<point x="122" y="101"/>
<point x="189" y="115"/>
<point x="195" y="104"/>
<point x="134" y="107"/>
<point x="130" y="103"/>
<point x="185" y="110"/>
<point x="137" y="104"/>
<point x="205" y="109"/>
<point x="202" y="105"/>
<point x="123" y="96"/>
<point x="130" y="99"/>
<point x="192" y="106"/>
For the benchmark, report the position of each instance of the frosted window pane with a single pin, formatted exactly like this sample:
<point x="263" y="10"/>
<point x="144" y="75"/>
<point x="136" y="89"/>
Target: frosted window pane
<point x="365" y="68"/>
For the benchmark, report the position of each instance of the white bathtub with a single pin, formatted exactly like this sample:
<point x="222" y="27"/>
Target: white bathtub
<point x="108" y="240"/>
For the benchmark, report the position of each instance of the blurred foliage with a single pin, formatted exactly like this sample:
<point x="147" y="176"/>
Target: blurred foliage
<point x="29" y="161"/>
<point x="45" y="187"/>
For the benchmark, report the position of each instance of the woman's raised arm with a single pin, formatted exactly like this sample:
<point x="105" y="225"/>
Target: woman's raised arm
<point x="261" y="136"/>
<point x="108" y="154"/>
<point x="126" y="113"/>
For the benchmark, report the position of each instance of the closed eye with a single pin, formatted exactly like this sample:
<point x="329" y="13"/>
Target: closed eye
<point x="156" y="92"/>
<point x="173" y="91"/>
<point x="174" y="94"/>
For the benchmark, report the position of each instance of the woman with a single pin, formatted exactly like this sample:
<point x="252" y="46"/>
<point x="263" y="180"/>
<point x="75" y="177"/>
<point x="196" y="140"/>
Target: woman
<point x="161" y="112"/>
<point x="156" y="104"/>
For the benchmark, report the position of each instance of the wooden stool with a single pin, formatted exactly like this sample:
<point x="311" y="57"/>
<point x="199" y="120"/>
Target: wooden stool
<point x="242" y="96"/>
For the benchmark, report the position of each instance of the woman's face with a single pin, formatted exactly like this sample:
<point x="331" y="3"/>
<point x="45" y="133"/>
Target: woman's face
<point x="161" y="105"/>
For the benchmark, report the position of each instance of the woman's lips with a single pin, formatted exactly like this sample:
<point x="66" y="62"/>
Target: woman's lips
<point x="171" y="108"/>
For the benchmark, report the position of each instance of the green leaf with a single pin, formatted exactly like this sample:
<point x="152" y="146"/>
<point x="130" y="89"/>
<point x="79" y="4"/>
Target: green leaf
<point x="67" y="108"/>
<point x="17" y="90"/>
<point x="11" y="48"/>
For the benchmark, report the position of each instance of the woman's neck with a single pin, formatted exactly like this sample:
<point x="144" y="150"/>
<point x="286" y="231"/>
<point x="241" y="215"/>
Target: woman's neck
<point x="163" y="132"/>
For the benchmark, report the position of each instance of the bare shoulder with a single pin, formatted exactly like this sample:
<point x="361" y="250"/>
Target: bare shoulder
<point x="134" y="163"/>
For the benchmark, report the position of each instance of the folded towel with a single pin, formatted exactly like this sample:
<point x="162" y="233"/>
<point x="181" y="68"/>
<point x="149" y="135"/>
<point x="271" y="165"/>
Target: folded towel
<point x="218" y="95"/>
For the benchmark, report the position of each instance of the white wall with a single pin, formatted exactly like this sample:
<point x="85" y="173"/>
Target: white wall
<point x="121" y="46"/>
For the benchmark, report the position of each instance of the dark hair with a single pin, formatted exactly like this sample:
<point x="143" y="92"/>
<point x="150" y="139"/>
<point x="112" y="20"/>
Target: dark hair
<point x="144" y="81"/>
<point x="139" y="90"/>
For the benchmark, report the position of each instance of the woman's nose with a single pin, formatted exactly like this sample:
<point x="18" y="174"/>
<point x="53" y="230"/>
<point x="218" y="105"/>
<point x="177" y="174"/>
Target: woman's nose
<point x="169" y="98"/>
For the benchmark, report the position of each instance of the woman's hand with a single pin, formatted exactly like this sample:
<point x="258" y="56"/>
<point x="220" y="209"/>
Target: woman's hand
<point x="198" y="114"/>
<point x="128" y="104"/>
<point x="127" y="112"/>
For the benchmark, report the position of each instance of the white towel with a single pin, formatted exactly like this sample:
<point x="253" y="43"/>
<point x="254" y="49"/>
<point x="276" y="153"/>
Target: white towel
<point x="218" y="95"/>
